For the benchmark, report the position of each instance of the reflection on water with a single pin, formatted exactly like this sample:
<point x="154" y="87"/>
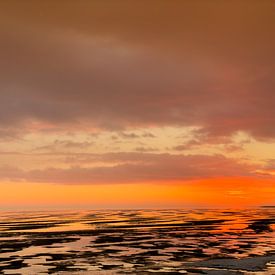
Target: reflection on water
<point x="138" y="242"/>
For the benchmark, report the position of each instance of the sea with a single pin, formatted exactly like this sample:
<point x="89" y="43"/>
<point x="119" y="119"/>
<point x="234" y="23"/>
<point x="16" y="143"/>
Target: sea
<point x="143" y="241"/>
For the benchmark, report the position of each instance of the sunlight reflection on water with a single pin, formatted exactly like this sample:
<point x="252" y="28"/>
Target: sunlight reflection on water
<point x="138" y="241"/>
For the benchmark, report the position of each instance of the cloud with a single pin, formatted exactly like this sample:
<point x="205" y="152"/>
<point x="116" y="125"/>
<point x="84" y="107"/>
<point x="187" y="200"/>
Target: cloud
<point x="129" y="135"/>
<point x="63" y="145"/>
<point x="145" y="149"/>
<point x="202" y="137"/>
<point x="148" y="135"/>
<point x="136" y="167"/>
<point x="119" y="66"/>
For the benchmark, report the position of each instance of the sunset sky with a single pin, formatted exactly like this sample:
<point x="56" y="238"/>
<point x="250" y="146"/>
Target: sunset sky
<point x="132" y="104"/>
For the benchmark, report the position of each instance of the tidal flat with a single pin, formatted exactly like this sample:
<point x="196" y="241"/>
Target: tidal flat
<point x="197" y="241"/>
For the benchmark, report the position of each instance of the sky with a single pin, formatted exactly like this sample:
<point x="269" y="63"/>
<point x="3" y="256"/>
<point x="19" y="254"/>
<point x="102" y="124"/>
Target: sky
<point x="137" y="104"/>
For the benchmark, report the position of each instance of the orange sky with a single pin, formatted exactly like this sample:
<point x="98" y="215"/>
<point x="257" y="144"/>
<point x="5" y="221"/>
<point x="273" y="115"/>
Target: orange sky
<point x="137" y="104"/>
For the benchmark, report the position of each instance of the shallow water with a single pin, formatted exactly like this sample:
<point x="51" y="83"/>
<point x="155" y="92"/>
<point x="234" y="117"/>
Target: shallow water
<point x="238" y="241"/>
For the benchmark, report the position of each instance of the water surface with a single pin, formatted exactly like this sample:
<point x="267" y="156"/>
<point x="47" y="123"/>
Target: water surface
<point x="238" y="241"/>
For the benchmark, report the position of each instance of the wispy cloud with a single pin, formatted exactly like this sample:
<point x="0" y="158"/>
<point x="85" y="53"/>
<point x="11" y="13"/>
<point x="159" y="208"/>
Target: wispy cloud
<point x="136" y="167"/>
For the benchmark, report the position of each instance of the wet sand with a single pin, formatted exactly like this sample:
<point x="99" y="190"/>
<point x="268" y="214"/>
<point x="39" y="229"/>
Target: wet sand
<point x="138" y="242"/>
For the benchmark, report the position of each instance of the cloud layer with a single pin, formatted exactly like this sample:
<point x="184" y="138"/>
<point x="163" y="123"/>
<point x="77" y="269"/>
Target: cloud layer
<point x="207" y="64"/>
<point x="135" y="167"/>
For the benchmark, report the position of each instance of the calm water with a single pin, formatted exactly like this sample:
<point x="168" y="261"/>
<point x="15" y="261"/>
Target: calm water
<point x="138" y="242"/>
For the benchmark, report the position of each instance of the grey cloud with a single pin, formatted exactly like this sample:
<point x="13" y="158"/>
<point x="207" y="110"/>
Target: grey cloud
<point x="119" y="66"/>
<point x="129" y="135"/>
<point x="61" y="145"/>
<point x="138" y="167"/>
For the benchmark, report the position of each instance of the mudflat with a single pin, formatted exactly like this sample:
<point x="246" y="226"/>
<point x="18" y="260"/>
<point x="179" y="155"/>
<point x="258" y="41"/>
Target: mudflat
<point x="197" y="241"/>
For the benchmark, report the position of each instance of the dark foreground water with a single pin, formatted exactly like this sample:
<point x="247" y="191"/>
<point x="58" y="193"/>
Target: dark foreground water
<point x="138" y="242"/>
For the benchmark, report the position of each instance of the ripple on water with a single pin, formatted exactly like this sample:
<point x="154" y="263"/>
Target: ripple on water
<point x="139" y="241"/>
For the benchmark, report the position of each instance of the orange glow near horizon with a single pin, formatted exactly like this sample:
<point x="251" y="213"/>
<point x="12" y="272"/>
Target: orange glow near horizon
<point x="224" y="192"/>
